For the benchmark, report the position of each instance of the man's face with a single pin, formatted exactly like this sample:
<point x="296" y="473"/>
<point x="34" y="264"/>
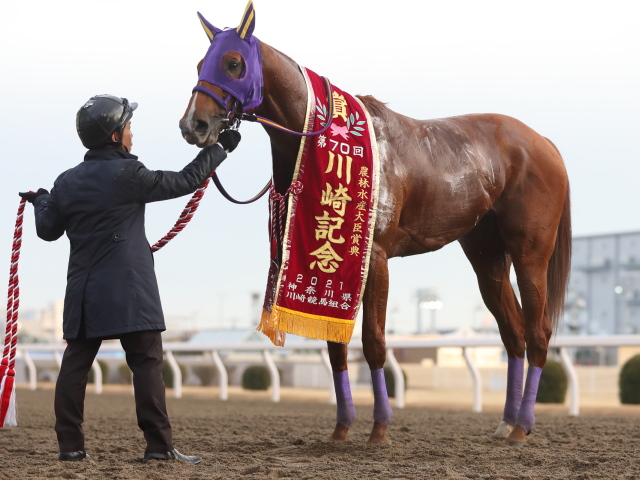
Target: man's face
<point x="127" y="136"/>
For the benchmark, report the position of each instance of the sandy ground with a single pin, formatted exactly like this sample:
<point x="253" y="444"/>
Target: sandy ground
<point x="249" y="437"/>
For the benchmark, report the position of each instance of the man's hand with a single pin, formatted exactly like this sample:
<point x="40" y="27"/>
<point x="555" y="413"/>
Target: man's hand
<point x="229" y="139"/>
<point x="31" y="196"/>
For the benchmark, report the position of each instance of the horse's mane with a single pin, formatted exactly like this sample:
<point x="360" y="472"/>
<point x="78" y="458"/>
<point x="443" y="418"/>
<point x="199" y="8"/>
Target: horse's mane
<point x="374" y="106"/>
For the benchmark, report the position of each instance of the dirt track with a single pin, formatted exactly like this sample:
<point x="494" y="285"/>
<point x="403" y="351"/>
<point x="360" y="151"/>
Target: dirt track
<point x="256" y="439"/>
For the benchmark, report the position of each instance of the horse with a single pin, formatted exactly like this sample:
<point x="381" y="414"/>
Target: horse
<point x="487" y="181"/>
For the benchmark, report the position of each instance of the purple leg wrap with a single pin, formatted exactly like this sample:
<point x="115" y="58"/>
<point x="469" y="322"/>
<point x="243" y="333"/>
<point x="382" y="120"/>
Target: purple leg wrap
<point x="346" y="412"/>
<point x="515" y="373"/>
<point x="381" y="408"/>
<point x="526" y="418"/>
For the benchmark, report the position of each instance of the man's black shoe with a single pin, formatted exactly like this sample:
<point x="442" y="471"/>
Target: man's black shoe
<point x="172" y="455"/>
<point x="73" y="456"/>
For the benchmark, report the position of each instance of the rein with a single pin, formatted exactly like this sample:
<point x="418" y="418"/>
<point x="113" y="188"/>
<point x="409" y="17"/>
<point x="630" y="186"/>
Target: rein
<point x="193" y="204"/>
<point x="235" y="123"/>
<point x="235" y="115"/>
<point x="224" y="193"/>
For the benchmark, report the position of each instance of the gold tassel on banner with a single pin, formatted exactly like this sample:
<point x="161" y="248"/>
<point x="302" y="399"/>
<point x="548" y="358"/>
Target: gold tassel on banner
<point x="321" y="328"/>
<point x="277" y="337"/>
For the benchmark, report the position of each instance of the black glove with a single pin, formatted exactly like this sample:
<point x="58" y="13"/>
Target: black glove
<point x="229" y="139"/>
<point x="31" y="196"/>
<point x="211" y="156"/>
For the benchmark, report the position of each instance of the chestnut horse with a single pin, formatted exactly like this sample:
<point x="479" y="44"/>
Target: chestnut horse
<point x="486" y="180"/>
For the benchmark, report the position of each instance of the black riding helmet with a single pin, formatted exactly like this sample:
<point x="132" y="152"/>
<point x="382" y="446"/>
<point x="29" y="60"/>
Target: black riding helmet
<point x="100" y="117"/>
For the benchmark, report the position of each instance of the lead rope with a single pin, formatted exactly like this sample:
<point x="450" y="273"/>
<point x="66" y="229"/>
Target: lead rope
<point x="184" y="218"/>
<point x="8" y="416"/>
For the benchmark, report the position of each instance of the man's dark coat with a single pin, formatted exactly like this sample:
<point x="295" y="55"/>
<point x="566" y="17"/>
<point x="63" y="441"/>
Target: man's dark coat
<point x="111" y="283"/>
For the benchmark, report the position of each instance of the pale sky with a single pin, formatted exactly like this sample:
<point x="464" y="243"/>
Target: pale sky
<point x="569" y="69"/>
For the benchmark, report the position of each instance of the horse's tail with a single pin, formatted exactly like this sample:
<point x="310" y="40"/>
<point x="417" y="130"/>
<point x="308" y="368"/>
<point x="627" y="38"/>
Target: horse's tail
<point x="559" y="265"/>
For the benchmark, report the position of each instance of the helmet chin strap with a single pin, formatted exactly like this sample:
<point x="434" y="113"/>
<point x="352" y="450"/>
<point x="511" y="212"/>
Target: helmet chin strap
<point x="118" y="143"/>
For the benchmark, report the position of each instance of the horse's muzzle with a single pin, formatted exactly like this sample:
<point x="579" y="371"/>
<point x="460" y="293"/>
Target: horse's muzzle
<point x="202" y="133"/>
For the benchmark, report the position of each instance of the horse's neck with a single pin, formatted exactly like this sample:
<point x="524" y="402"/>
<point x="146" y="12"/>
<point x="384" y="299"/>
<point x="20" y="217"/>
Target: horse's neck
<point x="285" y="102"/>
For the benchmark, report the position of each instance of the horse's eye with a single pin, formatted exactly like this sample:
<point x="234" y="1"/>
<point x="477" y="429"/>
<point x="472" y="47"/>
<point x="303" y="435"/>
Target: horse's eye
<point x="233" y="66"/>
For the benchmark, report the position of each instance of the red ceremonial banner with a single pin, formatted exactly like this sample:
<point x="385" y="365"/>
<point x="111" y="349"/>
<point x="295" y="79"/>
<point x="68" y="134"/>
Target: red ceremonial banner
<point x="317" y="289"/>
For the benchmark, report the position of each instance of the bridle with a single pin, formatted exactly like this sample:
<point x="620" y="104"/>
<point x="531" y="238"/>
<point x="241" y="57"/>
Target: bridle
<point x="235" y="116"/>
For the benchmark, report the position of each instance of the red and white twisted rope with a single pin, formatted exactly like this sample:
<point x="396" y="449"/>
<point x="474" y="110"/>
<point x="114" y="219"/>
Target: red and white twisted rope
<point x="184" y="218"/>
<point x="278" y="204"/>
<point x="7" y="365"/>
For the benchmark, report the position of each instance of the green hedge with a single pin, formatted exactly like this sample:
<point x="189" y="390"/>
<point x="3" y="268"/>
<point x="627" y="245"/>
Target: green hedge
<point x="256" y="377"/>
<point x="391" y="382"/>
<point x="125" y="373"/>
<point x="105" y="372"/>
<point x="553" y="383"/>
<point x="629" y="381"/>
<point x="167" y="374"/>
<point x="206" y="373"/>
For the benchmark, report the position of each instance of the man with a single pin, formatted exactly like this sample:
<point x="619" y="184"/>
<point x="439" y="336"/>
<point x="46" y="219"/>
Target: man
<point x="112" y="290"/>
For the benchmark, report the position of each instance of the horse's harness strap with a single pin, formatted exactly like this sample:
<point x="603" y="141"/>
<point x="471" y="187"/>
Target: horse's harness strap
<point x="207" y="91"/>
<point x="271" y="123"/>
<point x="235" y="116"/>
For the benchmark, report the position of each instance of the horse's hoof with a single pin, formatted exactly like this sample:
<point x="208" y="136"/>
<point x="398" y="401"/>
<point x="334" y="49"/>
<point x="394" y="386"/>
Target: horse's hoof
<point x="378" y="434"/>
<point x="517" y="437"/>
<point x="503" y="431"/>
<point x="340" y="433"/>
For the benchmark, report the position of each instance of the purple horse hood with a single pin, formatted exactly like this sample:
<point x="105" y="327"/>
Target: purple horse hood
<point x="247" y="89"/>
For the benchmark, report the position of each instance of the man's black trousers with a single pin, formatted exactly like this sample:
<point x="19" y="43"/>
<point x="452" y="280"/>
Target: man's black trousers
<point x="144" y="356"/>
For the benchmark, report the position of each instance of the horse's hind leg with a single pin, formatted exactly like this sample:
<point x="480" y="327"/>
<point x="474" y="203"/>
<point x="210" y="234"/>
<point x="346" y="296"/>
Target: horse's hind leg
<point x="373" y="341"/>
<point x="491" y="263"/>
<point x="530" y="236"/>
<point x="345" y="411"/>
<point x="530" y="262"/>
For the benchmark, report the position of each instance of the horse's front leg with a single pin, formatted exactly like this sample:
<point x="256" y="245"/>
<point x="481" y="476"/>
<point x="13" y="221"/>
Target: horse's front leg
<point x="373" y="341"/>
<point x="345" y="411"/>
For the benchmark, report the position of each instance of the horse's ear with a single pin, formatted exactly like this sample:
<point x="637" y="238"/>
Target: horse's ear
<point x="209" y="29"/>
<point x="248" y="22"/>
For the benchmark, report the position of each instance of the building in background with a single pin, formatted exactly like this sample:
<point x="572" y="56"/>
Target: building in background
<point x="604" y="288"/>
<point x="41" y="324"/>
<point x="603" y="297"/>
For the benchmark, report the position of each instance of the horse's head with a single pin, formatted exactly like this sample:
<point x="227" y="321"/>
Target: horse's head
<point x="229" y="79"/>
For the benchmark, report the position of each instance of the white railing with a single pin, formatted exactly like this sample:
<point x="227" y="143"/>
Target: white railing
<point x="561" y="342"/>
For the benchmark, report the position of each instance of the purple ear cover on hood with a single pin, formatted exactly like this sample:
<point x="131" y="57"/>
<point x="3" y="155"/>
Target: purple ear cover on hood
<point x="248" y="88"/>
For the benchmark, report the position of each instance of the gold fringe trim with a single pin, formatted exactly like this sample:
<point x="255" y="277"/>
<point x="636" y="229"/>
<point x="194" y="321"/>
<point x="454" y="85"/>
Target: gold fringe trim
<point x="321" y="328"/>
<point x="277" y="337"/>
